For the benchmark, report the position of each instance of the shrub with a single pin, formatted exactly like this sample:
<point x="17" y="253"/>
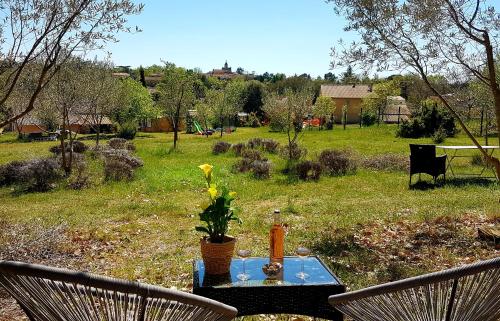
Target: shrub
<point x="439" y="136"/>
<point x="238" y="148"/>
<point x="81" y="179"/>
<point x="427" y="122"/>
<point x="253" y="121"/>
<point x="293" y="152"/>
<point x="124" y="156"/>
<point x="368" y="118"/>
<point x="308" y="170"/>
<point x="117" y="170"/>
<point x="337" y="162"/>
<point x="255" y="143"/>
<point x="252" y="154"/>
<point x="127" y="131"/>
<point x="243" y="165"/>
<point x="389" y="162"/>
<point x="130" y="147"/>
<point x="39" y="174"/>
<point x="220" y="148"/>
<point x="118" y="143"/>
<point x="9" y="173"/>
<point x="261" y="169"/>
<point x="99" y="150"/>
<point x="270" y="145"/>
<point x="78" y="147"/>
<point x="413" y="128"/>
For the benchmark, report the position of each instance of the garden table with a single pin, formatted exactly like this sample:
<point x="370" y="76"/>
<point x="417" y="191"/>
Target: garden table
<point x="453" y="152"/>
<point x="261" y="295"/>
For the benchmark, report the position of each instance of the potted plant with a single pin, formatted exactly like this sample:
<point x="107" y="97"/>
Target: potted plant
<point x="217" y="247"/>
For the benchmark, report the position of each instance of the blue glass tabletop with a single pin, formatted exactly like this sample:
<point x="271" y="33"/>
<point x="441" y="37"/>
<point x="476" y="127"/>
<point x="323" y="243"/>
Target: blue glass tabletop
<point x="318" y="273"/>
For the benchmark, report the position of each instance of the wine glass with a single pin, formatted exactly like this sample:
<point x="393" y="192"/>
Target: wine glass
<point x="243" y="254"/>
<point x="303" y="253"/>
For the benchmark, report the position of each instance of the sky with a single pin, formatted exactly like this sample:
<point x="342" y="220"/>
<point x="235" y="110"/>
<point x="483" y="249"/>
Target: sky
<point x="277" y="36"/>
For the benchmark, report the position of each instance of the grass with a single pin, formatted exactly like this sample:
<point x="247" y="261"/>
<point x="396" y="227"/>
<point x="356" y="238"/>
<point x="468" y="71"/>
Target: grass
<point x="149" y="221"/>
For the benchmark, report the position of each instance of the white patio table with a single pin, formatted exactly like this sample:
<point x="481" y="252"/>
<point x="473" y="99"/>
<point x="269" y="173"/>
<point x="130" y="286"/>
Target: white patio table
<point x="453" y="152"/>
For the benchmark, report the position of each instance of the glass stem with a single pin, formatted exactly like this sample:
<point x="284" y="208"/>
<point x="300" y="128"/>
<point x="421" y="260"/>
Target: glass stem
<point x="302" y="266"/>
<point x="244" y="272"/>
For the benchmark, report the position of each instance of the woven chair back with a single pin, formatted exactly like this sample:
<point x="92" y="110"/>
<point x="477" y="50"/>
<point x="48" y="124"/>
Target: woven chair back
<point x="51" y="294"/>
<point x="469" y="293"/>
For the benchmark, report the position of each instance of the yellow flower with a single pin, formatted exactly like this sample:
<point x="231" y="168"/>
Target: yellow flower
<point x="207" y="169"/>
<point x="232" y="194"/>
<point x="213" y="192"/>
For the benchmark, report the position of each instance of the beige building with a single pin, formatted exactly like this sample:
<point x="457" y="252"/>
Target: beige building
<point x="349" y="96"/>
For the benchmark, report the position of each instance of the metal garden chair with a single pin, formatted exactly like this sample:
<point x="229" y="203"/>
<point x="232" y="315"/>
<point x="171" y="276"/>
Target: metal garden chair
<point x="467" y="293"/>
<point x="52" y="294"/>
<point x="423" y="159"/>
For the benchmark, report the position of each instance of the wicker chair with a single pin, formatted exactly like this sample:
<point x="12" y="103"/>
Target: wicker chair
<point x="52" y="294"/>
<point x="423" y="159"/>
<point x="468" y="293"/>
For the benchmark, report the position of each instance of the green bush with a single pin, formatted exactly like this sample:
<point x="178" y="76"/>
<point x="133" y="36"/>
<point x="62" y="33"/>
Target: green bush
<point x="439" y="136"/>
<point x="427" y="122"/>
<point x="368" y="118"/>
<point x="413" y="128"/>
<point x="127" y="131"/>
<point x="253" y="121"/>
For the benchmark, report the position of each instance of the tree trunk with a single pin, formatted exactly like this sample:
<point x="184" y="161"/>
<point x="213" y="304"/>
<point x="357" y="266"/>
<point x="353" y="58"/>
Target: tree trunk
<point x="221" y="125"/>
<point x="98" y="134"/>
<point x="175" y="133"/>
<point x="495" y="89"/>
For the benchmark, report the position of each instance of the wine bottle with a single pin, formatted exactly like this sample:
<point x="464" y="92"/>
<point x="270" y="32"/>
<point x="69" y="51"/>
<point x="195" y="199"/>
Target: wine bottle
<point x="277" y="239"/>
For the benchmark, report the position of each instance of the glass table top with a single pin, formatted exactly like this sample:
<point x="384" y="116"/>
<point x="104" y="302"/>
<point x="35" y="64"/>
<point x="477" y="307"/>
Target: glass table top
<point x="318" y="273"/>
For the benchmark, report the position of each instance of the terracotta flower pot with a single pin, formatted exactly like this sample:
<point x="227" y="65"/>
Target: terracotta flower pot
<point x="217" y="256"/>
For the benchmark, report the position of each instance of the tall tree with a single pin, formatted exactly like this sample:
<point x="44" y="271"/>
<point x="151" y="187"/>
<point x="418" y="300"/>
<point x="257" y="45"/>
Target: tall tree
<point x="142" y="76"/>
<point x="228" y="102"/>
<point x="254" y="96"/>
<point x="290" y="111"/>
<point x="456" y="37"/>
<point x="135" y="104"/>
<point x="104" y="94"/>
<point x="46" y="33"/>
<point x="176" y="95"/>
<point x="67" y="96"/>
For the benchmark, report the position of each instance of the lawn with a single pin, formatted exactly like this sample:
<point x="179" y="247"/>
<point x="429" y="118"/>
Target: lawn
<point x="144" y="229"/>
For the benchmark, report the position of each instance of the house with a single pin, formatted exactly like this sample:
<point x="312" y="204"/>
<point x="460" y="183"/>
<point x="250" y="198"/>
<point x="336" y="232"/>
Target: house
<point x="348" y="96"/>
<point x="80" y="123"/>
<point x="396" y="110"/>
<point x="224" y="73"/>
<point x="161" y="124"/>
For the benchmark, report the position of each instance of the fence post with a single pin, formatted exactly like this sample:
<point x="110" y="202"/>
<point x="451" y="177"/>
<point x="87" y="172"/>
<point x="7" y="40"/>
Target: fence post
<point x="361" y="118"/>
<point x="399" y="114"/>
<point x="378" y="118"/>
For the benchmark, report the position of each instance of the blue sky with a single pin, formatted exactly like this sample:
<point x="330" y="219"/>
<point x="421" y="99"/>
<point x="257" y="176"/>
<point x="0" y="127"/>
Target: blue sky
<point x="292" y="36"/>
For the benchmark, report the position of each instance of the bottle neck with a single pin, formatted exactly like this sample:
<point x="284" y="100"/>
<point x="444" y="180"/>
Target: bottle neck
<point x="277" y="218"/>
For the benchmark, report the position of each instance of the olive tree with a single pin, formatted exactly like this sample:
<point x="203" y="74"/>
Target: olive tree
<point x="458" y="38"/>
<point x="176" y="95"/>
<point x="324" y="109"/>
<point x="66" y="95"/>
<point x="45" y="34"/>
<point x="103" y="95"/>
<point x="289" y="111"/>
<point x="228" y="102"/>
